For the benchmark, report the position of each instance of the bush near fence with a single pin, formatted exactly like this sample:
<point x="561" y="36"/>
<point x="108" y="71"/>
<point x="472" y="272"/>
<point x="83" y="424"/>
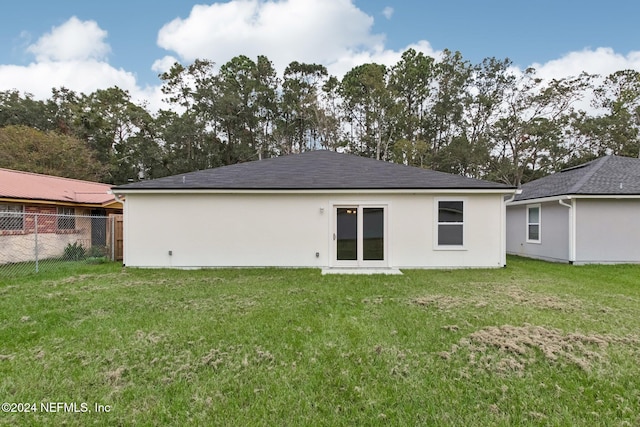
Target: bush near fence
<point x="34" y="242"/>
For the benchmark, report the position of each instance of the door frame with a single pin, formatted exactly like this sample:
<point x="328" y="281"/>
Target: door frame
<point x="98" y="227"/>
<point x="333" y="232"/>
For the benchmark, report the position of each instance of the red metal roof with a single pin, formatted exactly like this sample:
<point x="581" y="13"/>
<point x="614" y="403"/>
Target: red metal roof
<point x="33" y="186"/>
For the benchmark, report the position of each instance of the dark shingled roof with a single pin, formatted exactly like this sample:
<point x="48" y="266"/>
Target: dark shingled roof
<point x="314" y="170"/>
<point x="609" y="175"/>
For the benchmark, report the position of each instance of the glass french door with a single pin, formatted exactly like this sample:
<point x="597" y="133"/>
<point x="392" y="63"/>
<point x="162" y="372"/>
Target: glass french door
<point x="360" y="235"/>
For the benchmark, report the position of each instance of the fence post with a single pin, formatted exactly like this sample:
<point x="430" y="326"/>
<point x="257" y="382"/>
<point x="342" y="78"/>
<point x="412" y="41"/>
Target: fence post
<point x="112" y="219"/>
<point x="36" y="239"/>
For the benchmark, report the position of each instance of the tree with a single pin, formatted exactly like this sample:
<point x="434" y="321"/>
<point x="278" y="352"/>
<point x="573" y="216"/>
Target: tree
<point x="17" y="109"/>
<point x="444" y="123"/>
<point x="619" y="127"/>
<point x="178" y="153"/>
<point x="64" y="107"/>
<point x="328" y="116"/>
<point x="368" y="108"/>
<point x="246" y="107"/>
<point x="266" y="106"/>
<point x="298" y="124"/>
<point x="528" y="138"/>
<point x="469" y="153"/>
<point x="119" y="133"/>
<point x="189" y="131"/>
<point x="28" y="149"/>
<point x="411" y="83"/>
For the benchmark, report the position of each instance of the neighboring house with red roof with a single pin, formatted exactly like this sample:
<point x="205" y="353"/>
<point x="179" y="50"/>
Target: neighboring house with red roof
<point x="586" y="214"/>
<point x="62" y="211"/>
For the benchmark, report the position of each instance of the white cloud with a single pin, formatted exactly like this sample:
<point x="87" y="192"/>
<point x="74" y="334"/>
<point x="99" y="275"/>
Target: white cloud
<point x="163" y="64"/>
<point x="342" y="65"/>
<point x="80" y="76"/>
<point x="73" y="40"/>
<point x="387" y="12"/>
<point x="288" y="30"/>
<point x="602" y="61"/>
<point x="73" y="55"/>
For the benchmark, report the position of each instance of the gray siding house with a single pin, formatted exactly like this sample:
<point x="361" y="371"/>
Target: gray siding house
<point x="582" y="215"/>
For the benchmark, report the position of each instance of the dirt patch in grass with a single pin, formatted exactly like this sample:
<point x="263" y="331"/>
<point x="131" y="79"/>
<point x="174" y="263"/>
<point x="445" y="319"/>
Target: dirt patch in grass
<point x="238" y="357"/>
<point x="441" y="302"/>
<point x="7" y="289"/>
<point x="71" y="279"/>
<point x="518" y="296"/>
<point x="148" y="337"/>
<point x="115" y="377"/>
<point x="373" y="300"/>
<point x="510" y="349"/>
<point x="500" y="296"/>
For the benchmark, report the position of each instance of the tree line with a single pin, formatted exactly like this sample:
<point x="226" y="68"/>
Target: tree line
<point x="486" y="120"/>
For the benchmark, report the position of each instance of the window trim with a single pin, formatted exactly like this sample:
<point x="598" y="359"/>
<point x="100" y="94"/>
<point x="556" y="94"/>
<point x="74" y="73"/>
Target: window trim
<point x="22" y="212"/>
<point x="539" y="224"/>
<point x="66" y="217"/>
<point x="437" y="223"/>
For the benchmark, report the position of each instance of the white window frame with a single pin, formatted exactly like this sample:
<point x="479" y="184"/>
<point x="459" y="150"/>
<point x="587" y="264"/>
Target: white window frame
<point x="437" y="223"/>
<point x="64" y="216"/>
<point x="529" y="223"/>
<point x="6" y="209"/>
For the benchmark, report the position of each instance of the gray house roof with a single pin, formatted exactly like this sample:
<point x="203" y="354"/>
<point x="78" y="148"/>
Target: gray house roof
<point x="609" y="175"/>
<point x="314" y="170"/>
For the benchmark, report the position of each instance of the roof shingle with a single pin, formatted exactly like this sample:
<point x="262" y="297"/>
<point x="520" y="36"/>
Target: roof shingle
<point x="33" y="186"/>
<point x="608" y="175"/>
<point x="314" y="170"/>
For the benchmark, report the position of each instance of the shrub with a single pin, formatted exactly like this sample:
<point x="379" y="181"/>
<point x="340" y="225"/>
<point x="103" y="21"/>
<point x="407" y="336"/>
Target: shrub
<point x="97" y="251"/>
<point x="74" y="252"/>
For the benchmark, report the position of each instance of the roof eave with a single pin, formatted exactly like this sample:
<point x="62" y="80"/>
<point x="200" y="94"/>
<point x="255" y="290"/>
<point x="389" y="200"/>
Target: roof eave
<point x="572" y="196"/>
<point x="28" y="201"/>
<point x="492" y="190"/>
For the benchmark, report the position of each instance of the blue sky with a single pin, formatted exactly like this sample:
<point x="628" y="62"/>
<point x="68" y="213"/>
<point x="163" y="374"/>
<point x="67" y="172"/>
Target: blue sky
<point x="86" y="45"/>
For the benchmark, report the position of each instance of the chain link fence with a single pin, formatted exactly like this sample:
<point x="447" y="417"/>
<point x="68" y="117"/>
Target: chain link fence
<point x="38" y="242"/>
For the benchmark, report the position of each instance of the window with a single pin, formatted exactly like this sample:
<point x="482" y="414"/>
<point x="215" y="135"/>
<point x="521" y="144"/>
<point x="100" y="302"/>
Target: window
<point x="11" y="217"/>
<point x="450" y="223"/>
<point x="66" y="219"/>
<point x="533" y="223"/>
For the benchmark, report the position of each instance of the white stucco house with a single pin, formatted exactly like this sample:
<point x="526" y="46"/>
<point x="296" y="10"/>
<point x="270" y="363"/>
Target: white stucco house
<point x="337" y="212"/>
<point x="584" y="214"/>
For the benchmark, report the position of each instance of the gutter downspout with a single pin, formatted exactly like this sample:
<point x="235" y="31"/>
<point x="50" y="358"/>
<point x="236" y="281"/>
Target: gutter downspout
<point x="572" y="227"/>
<point x="118" y="197"/>
<point x="513" y="196"/>
<point x="503" y="239"/>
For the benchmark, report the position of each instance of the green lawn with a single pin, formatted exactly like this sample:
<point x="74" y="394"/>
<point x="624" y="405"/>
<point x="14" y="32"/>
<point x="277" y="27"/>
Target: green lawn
<point x="530" y="344"/>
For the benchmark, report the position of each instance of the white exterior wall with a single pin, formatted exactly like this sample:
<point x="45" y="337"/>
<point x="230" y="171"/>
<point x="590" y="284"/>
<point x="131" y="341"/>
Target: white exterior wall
<point x="220" y="230"/>
<point x="554" y="232"/>
<point x="607" y="231"/>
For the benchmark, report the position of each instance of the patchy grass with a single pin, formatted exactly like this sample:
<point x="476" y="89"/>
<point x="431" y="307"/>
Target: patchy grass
<point x="531" y="344"/>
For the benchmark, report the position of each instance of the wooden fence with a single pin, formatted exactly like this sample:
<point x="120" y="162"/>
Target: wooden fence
<point x="117" y="240"/>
